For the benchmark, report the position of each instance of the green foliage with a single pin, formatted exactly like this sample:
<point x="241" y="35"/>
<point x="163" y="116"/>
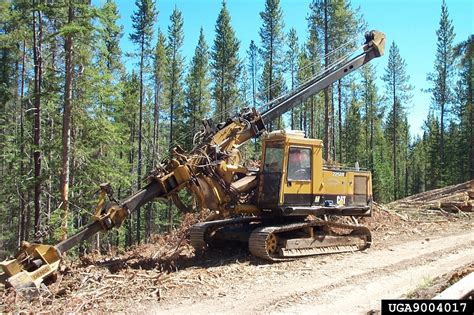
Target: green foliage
<point x="174" y="77"/>
<point x="432" y="138"/>
<point x="168" y="98"/>
<point x="353" y="130"/>
<point x="464" y="108"/>
<point x="253" y="69"/>
<point x="160" y="66"/>
<point x="441" y="78"/>
<point x="398" y="91"/>
<point x="197" y="82"/>
<point x="271" y="33"/>
<point x="142" y="22"/>
<point x="225" y="65"/>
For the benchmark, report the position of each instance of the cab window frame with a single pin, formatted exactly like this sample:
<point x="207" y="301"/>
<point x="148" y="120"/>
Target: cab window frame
<point x="276" y="166"/>
<point x="289" y="177"/>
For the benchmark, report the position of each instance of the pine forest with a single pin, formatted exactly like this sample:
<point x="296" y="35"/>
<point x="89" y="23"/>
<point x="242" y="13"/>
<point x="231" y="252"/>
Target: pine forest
<point x="74" y="114"/>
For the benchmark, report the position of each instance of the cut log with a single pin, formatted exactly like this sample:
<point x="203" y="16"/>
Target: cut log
<point x="470" y="193"/>
<point x="455" y="206"/>
<point x="441" y="193"/>
<point x="460" y="290"/>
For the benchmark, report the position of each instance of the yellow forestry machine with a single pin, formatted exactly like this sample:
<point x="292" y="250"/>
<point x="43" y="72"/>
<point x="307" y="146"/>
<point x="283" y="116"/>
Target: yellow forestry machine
<point x="278" y="209"/>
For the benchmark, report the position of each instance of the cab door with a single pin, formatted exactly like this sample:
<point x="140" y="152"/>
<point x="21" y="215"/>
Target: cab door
<point x="271" y="176"/>
<point x="297" y="188"/>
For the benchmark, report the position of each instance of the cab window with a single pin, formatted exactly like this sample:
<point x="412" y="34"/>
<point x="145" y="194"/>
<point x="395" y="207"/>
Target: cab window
<point x="273" y="159"/>
<point x="299" y="164"/>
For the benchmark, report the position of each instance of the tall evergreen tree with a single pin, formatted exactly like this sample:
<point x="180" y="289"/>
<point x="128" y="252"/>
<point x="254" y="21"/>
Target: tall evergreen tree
<point x="225" y="65"/>
<point x="417" y="167"/>
<point x="353" y="130"/>
<point x="37" y="32"/>
<point x="253" y="67"/>
<point x="272" y="53"/>
<point x="442" y="77"/>
<point x="175" y="93"/>
<point x="143" y="20"/>
<point x="110" y="33"/>
<point x="465" y="105"/>
<point x="372" y="112"/>
<point x="291" y="59"/>
<point x="431" y="137"/>
<point x="300" y="113"/>
<point x="315" y="105"/>
<point x="333" y="23"/>
<point x="397" y="86"/>
<point x="197" y="82"/>
<point x="175" y="71"/>
<point x="159" y="77"/>
<point x="67" y="110"/>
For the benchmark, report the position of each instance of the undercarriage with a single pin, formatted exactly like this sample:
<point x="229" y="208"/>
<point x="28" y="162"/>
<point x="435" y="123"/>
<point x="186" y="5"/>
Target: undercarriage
<point x="273" y="240"/>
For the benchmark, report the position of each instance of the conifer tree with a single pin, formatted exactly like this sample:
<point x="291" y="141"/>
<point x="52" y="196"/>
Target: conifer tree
<point x="253" y="67"/>
<point x="300" y="113"/>
<point x="174" y="85"/>
<point x="110" y="33"/>
<point x="372" y="112"/>
<point x="143" y="20"/>
<point x="431" y="137"/>
<point x="272" y="53"/>
<point x="398" y="93"/>
<point x="159" y="77"/>
<point x="465" y="106"/>
<point x="197" y="82"/>
<point x="291" y="59"/>
<point x="441" y="78"/>
<point x="353" y="129"/>
<point x="37" y="32"/>
<point x="175" y="73"/>
<point x="315" y="106"/>
<point x="225" y="65"/>
<point x="333" y="23"/>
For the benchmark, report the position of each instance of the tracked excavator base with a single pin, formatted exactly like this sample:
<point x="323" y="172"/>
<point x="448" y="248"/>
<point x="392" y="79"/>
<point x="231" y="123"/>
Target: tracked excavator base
<point x="280" y="242"/>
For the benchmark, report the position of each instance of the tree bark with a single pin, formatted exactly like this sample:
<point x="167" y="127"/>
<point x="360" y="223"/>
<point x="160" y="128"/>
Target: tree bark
<point x="327" y="112"/>
<point x="22" y="215"/>
<point x="66" y="132"/>
<point x="339" y="112"/>
<point x="129" y="237"/>
<point x="470" y="106"/>
<point x="394" y="140"/>
<point x="140" y="120"/>
<point x="38" y="69"/>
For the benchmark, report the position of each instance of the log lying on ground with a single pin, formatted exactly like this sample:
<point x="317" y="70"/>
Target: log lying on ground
<point x="463" y="191"/>
<point x="455" y="198"/>
<point x="454" y="206"/>
<point x="462" y="289"/>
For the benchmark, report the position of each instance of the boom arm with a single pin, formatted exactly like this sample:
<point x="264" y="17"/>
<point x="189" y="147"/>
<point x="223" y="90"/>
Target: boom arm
<point x="373" y="47"/>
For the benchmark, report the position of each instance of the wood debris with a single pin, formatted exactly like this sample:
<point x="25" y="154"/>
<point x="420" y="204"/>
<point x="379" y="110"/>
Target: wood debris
<point x="166" y="270"/>
<point x="455" y="198"/>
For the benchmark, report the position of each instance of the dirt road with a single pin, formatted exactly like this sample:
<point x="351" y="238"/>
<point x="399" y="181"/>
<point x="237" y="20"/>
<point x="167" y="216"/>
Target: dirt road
<point x="351" y="283"/>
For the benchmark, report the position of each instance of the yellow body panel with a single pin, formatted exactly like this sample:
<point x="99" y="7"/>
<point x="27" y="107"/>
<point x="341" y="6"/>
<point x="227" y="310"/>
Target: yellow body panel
<point x="325" y="181"/>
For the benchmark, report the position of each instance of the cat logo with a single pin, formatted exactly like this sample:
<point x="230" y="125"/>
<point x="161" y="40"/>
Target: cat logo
<point x="341" y="200"/>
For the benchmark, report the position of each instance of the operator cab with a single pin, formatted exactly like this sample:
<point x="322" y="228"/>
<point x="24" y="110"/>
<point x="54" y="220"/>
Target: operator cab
<point x="295" y="181"/>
